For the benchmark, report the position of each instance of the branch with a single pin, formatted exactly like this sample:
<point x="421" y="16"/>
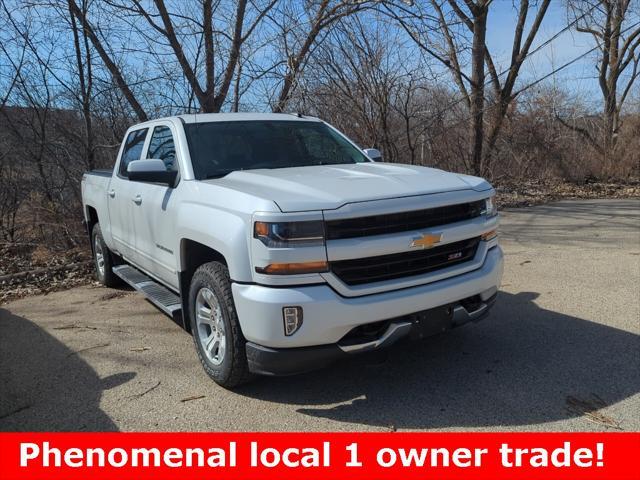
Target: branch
<point x="592" y="31"/>
<point x="453" y="63"/>
<point x="584" y="132"/>
<point x="630" y="55"/>
<point x="234" y="54"/>
<point x="146" y="15"/>
<point x="465" y="19"/>
<point x="258" y="19"/>
<point x="627" y="43"/>
<point x="170" y="34"/>
<point x="635" y="73"/>
<point x="114" y="70"/>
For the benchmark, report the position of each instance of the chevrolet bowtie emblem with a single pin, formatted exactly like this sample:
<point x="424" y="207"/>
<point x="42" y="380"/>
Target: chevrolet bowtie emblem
<point x="427" y="240"/>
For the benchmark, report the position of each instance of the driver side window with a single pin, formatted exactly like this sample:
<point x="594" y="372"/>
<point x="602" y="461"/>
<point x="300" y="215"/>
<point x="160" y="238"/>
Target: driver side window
<point x="132" y="149"/>
<point x="162" y="147"/>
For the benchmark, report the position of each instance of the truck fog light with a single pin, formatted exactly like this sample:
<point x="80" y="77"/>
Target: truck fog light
<point x="292" y="317"/>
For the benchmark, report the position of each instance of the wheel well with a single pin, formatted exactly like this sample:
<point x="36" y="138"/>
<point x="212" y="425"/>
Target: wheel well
<point x="192" y="255"/>
<point x="92" y="219"/>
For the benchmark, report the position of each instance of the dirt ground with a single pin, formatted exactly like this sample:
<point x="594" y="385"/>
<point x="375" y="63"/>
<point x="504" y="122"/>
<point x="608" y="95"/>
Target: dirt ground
<point x="559" y="352"/>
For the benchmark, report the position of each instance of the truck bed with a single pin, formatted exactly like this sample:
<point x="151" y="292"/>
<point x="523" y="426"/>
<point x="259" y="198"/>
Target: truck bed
<point x="94" y="194"/>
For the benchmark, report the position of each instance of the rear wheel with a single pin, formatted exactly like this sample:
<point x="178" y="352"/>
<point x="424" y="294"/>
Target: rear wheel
<point x="103" y="259"/>
<point x="215" y="326"/>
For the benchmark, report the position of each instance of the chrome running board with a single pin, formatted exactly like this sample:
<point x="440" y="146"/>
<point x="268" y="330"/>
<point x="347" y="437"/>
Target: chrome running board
<point x="160" y="296"/>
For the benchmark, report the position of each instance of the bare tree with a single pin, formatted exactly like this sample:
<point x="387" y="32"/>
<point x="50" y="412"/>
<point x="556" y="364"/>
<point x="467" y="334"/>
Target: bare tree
<point x="85" y="79"/>
<point x="615" y="26"/>
<point x="82" y="15"/>
<point x="447" y="21"/>
<point x="368" y="82"/>
<point x="210" y="71"/>
<point x="50" y="131"/>
<point x="300" y="33"/>
<point x="10" y="192"/>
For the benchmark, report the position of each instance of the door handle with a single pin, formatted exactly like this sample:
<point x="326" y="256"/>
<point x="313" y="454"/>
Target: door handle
<point x="112" y="193"/>
<point x="137" y="199"/>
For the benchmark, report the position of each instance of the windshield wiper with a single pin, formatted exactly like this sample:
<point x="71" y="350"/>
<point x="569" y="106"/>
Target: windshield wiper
<point x="331" y="163"/>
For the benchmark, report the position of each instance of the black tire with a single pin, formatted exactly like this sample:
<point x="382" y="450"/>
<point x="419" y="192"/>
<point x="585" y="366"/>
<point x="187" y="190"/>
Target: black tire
<point x="104" y="275"/>
<point x="233" y="369"/>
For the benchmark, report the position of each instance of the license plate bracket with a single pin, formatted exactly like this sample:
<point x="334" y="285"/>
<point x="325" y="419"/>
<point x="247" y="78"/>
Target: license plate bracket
<point x="431" y="322"/>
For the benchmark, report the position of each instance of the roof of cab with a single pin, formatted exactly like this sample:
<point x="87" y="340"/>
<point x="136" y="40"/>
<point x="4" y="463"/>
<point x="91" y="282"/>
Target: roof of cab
<point x="233" y="117"/>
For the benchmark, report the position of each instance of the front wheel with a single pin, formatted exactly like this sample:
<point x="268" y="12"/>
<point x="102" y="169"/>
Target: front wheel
<point x="215" y="326"/>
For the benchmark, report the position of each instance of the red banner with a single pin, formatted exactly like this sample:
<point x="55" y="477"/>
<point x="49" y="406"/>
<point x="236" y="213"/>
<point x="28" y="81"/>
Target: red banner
<point x="311" y="456"/>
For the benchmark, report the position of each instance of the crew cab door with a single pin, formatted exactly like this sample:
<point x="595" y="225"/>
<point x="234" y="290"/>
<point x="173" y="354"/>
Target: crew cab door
<point x="154" y="211"/>
<point x="120" y="196"/>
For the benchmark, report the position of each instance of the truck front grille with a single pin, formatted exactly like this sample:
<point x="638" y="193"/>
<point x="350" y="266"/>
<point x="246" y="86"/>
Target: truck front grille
<point x="405" y="264"/>
<point x="403" y="221"/>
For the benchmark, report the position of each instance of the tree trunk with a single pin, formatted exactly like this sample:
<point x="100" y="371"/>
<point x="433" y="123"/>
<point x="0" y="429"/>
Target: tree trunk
<point x="610" y="127"/>
<point x="477" y="88"/>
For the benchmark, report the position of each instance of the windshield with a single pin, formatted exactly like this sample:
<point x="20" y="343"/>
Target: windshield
<point x="219" y="148"/>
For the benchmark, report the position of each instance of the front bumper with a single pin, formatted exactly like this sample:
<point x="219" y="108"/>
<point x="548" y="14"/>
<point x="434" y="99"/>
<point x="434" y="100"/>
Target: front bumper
<point x="289" y="361"/>
<point x="328" y="317"/>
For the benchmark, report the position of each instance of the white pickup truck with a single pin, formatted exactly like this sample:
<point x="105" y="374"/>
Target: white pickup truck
<point x="282" y="246"/>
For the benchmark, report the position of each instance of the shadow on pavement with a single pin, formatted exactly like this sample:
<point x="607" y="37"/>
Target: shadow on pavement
<point x="523" y="365"/>
<point x="44" y="386"/>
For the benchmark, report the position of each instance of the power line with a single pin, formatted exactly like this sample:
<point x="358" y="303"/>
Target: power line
<point x="537" y="81"/>
<point x="531" y="53"/>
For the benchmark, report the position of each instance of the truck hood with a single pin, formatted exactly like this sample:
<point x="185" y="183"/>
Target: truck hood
<point x="328" y="187"/>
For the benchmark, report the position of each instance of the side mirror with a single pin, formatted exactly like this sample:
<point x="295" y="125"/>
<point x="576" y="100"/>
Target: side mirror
<point x="152" y="171"/>
<point x="374" y="154"/>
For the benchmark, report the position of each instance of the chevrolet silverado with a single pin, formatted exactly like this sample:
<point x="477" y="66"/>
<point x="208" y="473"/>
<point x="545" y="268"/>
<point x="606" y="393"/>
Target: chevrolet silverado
<point x="281" y="246"/>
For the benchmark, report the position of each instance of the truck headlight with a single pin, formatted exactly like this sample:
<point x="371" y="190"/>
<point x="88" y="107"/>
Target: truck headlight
<point x="490" y="207"/>
<point x="289" y="234"/>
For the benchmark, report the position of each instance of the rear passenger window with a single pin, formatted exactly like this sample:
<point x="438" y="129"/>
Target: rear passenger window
<point x="132" y="149"/>
<point x="161" y="147"/>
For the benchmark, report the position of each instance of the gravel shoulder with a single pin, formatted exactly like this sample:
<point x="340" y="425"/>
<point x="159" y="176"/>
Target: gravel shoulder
<point x="559" y="352"/>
